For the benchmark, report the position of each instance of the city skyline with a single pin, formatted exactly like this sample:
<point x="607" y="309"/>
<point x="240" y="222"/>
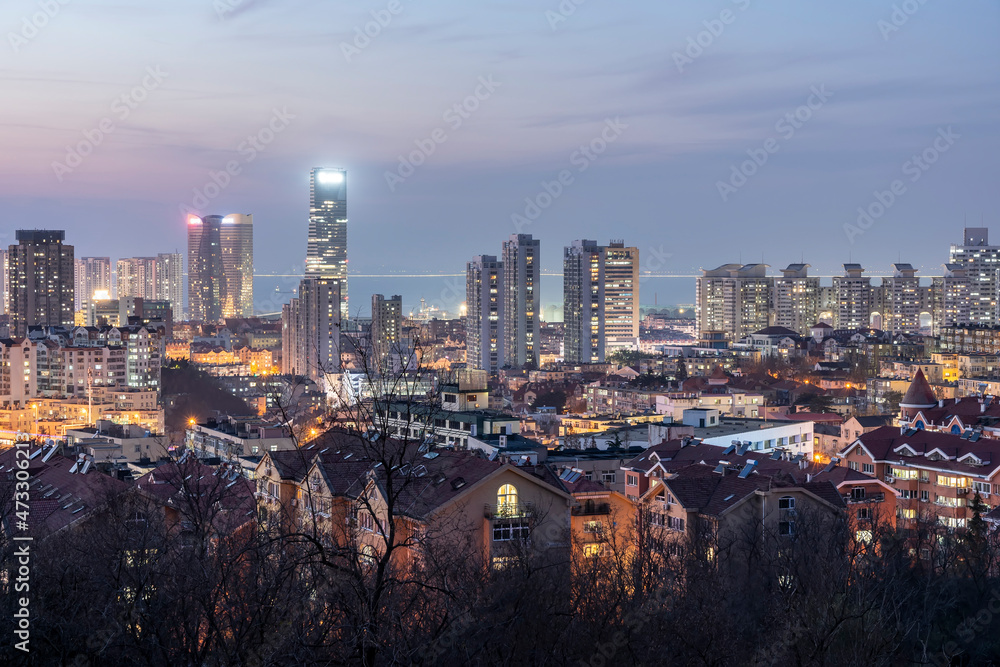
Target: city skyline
<point x="888" y="92"/>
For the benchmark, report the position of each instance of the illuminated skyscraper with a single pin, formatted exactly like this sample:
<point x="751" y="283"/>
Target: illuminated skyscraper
<point x="136" y="276"/>
<point x="237" y="264"/>
<point x="326" y="254"/>
<point x="206" y="275"/>
<point x="387" y="324"/>
<point x="521" y="292"/>
<point x="41" y="280"/>
<point x="170" y="282"/>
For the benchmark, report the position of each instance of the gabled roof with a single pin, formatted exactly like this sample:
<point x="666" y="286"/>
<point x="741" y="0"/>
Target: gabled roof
<point x="885" y="444"/>
<point x="875" y="421"/>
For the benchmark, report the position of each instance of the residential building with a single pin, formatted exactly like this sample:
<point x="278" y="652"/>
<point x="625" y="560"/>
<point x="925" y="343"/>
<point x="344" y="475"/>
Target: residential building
<point x="621" y="296"/>
<point x="170" y="282"/>
<point x="796" y="299"/>
<point x="734" y="299"/>
<point x="387" y="324"/>
<point x="233" y="437"/>
<point x="485" y="316"/>
<point x="326" y="253"/>
<point x="42" y="283"/>
<point x="982" y="266"/>
<point x="521" y="261"/>
<point x="854" y="298"/>
<point x="311" y="332"/>
<point x="93" y="277"/>
<point x="901" y="300"/>
<point x="137" y="277"/>
<point x="206" y="272"/>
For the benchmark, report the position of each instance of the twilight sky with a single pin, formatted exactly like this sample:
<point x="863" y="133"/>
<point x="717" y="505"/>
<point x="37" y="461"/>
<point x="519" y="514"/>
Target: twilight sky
<point x="686" y="115"/>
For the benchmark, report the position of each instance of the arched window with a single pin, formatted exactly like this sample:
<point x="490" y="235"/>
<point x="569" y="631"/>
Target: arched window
<point x="956" y="429"/>
<point x="507" y="500"/>
<point x="919" y="425"/>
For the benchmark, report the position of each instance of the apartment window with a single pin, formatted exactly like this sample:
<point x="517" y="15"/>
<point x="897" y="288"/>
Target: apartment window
<point x="657" y="519"/>
<point x="670" y="500"/>
<point x="632" y="480"/>
<point x="925" y="496"/>
<point x="608" y="477"/>
<point x="907" y="494"/>
<point x="786" y="503"/>
<point x="592" y="550"/>
<point x="949" y="481"/>
<point x="903" y="473"/>
<point x="907" y="513"/>
<point x="366" y="521"/>
<point x="592" y="527"/>
<point x="864" y="514"/>
<point x="868" y="468"/>
<point x="506" y="530"/>
<point x="858" y="493"/>
<point x="507" y="499"/>
<point x="675" y="523"/>
<point x="853" y="465"/>
<point x="983" y="488"/>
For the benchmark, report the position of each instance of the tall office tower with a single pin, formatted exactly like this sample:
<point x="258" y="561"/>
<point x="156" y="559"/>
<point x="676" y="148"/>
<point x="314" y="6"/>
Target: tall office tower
<point x="137" y="276"/>
<point x="237" y="265"/>
<point x="982" y="264"/>
<point x="484" y="318"/>
<point x="855" y="298"/>
<point x="93" y="274"/>
<point x="170" y="284"/>
<point x="313" y="326"/>
<point x="521" y="298"/>
<point x="796" y="299"/>
<point x="206" y="275"/>
<point x="583" y="303"/>
<point x="326" y="254"/>
<point x="951" y="301"/>
<point x="621" y="296"/>
<point x="734" y="299"/>
<point x="901" y="300"/>
<point x="387" y="324"/>
<point x="41" y="280"/>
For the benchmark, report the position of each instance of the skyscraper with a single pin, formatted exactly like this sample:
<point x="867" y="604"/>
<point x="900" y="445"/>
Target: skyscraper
<point x="600" y="299"/>
<point x="796" y="299"/>
<point x="136" y="276"/>
<point x="484" y="319"/>
<point x="170" y="281"/>
<point x="521" y="293"/>
<point x="387" y="324"/>
<point x="41" y="280"/>
<point x="237" y="265"/>
<point x="206" y="274"/>
<point x="583" y="303"/>
<point x="326" y="253"/>
<point x="901" y="302"/>
<point x="93" y="274"/>
<point x="5" y="284"/>
<point x="311" y="332"/>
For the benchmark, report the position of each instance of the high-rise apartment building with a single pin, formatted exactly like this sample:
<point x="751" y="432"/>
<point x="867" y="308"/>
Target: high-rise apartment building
<point x="326" y="253"/>
<point x="93" y="274"/>
<point x="583" y="303"/>
<point x="734" y="299"/>
<point x="137" y="276"/>
<point x="237" y="265"/>
<point x="982" y="265"/>
<point x="621" y="296"/>
<point x="901" y="300"/>
<point x="484" y="319"/>
<point x="796" y="299"/>
<point x="521" y="261"/>
<point x="206" y="274"/>
<point x="311" y="332"/>
<point x="5" y="281"/>
<point x="42" y="281"/>
<point x="170" y="282"/>
<point x="855" y="298"/>
<point x="952" y="301"/>
<point x="387" y="324"/>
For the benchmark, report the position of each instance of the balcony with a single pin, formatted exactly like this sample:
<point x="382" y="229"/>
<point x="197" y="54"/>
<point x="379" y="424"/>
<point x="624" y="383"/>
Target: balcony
<point x="868" y="498"/>
<point x="591" y="509"/>
<point x="509" y="511"/>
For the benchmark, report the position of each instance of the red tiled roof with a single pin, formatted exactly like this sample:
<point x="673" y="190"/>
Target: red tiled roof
<point x="883" y="442"/>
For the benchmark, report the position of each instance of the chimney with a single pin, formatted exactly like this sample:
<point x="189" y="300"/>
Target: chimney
<point x="941" y="403"/>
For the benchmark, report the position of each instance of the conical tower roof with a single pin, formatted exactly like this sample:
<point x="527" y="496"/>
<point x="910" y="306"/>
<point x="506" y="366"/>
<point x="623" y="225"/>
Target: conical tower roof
<point x="920" y="394"/>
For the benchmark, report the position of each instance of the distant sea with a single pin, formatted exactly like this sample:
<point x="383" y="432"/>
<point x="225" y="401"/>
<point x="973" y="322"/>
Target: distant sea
<point x="447" y="293"/>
